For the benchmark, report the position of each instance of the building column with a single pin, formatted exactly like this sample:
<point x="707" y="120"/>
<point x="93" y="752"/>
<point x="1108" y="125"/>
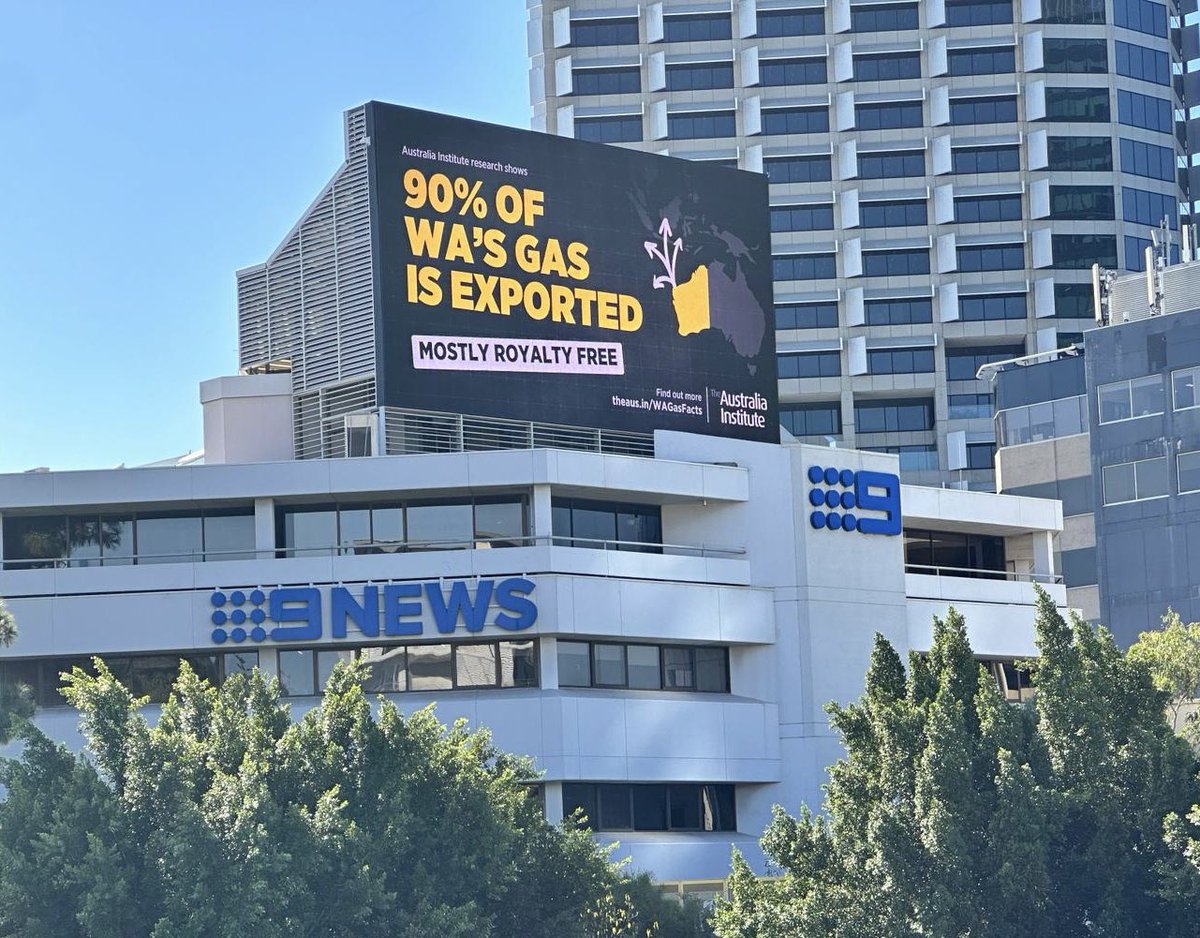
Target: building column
<point x="548" y="663"/>
<point x="264" y="528"/>
<point x="542" y="522"/>
<point x="552" y="792"/>
<point x="1043" y="553"/>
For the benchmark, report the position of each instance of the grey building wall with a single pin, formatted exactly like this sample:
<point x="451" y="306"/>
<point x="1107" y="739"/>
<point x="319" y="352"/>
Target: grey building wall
<point x="842" y="79"/>
<point x="1147" y="546"/>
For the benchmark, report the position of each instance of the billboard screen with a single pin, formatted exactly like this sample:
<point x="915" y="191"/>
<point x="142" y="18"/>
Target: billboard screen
<point x="533" y="277"/>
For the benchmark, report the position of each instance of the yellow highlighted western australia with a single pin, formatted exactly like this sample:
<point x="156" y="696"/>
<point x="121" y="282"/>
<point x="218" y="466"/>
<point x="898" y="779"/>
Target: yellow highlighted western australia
<point x="691" y="303"/>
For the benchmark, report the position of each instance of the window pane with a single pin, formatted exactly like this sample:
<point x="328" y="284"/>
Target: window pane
<point x="168" y="539"/>
<point x="239" y="662"/>
<point x="429" y="667"/>
<point x="720" y="808"/>
<point x="609" y="664"/>
<point x="643" y="666"/>
<point x="441" y="527"/>
<point x="518" y="664"/>
<point x="1183" y="382"/>
<point x="1114" y="402"/>
<point x="712" y="670"/>
<point x="581" y="797"/>
<point x="1147" y="395"/>
<point x="326" y="660"/>
<point x="39" y="541"/>
<point x="229" y="537"/>
<point x="83" y="548"/>
<point x="296" y="672"/>
<point x="387" y="670"/>
<point x="592" y="524"/>
<point x="1118" y="483"/>
<point x="615" y="813"/>
<point x="1189" y="472"/>
<point x="116" y="541"/>
<point x="305" y="533"/>
<point x="649" y="807"/>
<point x="1152" y="477"/>
<point x="685" y="807"/>
<point x="677" y="668"/>
<point x="387" y="525"/>
<point x="574" y="664"/>
<point x="499" y="524"/>
<point x="354" y="530"/>
<point x="475" y="665"/>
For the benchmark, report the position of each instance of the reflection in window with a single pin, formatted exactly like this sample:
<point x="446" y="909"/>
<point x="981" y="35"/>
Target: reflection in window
<point x="893" y="416"/>
<point x="1134" y="481"/>
<point x="1046" y="420"/>
<point x="1001" y="159"/>
<point x="605" y="32"/>
<point x="1188" y="465"/>
<point x="978" y="556"/>
<point x="1184" y="385"/>
<point x="430" y="667"/>
<point x="817" y="419"/>
<point x="1136" y="397"/>
<point x="652" y="807"/>
<point x="700" y="668"/>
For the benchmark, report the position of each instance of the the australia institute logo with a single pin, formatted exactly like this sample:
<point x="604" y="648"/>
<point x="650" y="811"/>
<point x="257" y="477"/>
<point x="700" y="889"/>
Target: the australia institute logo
<point x="300" y="613"/>
<point x="845" y="500"/>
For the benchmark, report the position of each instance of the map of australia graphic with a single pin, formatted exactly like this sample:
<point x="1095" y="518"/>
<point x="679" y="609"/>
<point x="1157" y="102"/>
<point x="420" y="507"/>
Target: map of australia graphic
<point x="711" y="298"/>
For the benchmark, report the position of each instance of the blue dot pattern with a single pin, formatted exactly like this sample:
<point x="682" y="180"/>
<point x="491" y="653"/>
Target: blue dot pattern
<point x="238" y="616"/>
<point x="832" y="497"/>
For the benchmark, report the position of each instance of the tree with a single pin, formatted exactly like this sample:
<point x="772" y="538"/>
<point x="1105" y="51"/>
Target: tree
<point x="954" y="813"/>
<point x="1172" y="655"/>
<point x="226" y="818"/>
<point x="16" y="700"/>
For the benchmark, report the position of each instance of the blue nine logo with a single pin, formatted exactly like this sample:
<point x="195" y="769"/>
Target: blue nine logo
<point x="298" y="613"/>
<point x="846" y="492"/>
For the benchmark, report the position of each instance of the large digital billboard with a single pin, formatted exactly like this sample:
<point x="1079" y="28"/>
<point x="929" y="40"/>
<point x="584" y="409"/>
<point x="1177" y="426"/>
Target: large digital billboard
<point x="534" y="277"/>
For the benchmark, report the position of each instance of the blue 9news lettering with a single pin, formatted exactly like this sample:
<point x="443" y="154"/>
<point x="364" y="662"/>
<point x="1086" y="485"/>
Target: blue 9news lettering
<point x="878" y="491"/>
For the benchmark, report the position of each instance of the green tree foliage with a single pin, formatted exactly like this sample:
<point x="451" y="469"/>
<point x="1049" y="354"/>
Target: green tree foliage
<point x="1172" y="654"/>
<point x="956" y="814"/>
<point x="16" y="700"/>
<point x="227" y="819"/>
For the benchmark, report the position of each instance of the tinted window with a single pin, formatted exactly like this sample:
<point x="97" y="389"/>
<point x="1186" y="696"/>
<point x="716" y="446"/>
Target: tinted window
<point x="1079" y="154"/>
<point x="791" y="23"/>
<point x="990" y="60"/>
<point x="623" y="80"/>
<point x="985" y="159"/>
<point x="798" y="168"/>
<point x="604" y="32"/>
<point x="1085" y="203"/>
<point x="617" y="129"/>
<point x="700" y="27"/>
<point x="898" y="312"/>
<point x="806" y="316"/>
<point x="1079" y="251"/>
<point x="889" y="114"/>
<point x="811" y="419"/>
<point x="883" y="17"/>
<point x="691" y="125"/>
<point x="795" y="120"/>
<point x="1077" y="104"/>
<point x="802" y="71"/>
<point x="1075" y="55"/>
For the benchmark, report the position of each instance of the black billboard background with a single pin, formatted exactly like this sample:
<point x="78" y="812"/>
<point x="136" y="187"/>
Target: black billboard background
<point x="613" y="200"/>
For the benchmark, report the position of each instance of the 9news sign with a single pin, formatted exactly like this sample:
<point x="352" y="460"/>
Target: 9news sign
<point x="846" y="500"/>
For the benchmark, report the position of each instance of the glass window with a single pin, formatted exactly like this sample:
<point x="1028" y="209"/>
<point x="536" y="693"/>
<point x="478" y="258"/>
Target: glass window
<point x="969" y="406"/>
<point x="887" y="115"/>
<point x="902" y="311"/>
<point x="643" y="666"/>
<point x="809" y="365"/>
<point x="1077" y="104"/>
<point x="890" y="66"/>
<point x="694" y="125"/>
<point x="499" y="524"/>
<point x="605" y="32"/>
<point x="822" y="419"/>
<point x="697" y="27"/>
<point x="893" y="213"/>
<point x="1132" y="481"/>
<point x="619" y="128"/>
<point x="964" y="362"/>
<point x="804" y="22"/>
<point x="1081" y="12"/>
<point x="1184" y="385"/>
<point x="475" y="665"/>
<point x="1147" y="159"/>
<point x="895" y="263"/>
<point x="806" y="316"/>
<point x="227" y="536"/>
<point x="1147" y="395"/>
<point x="684" y="801"/>
<point x="920" y="457"/>
<point x="893" y="416"/>
<point x="891" y="165"/>
<point x="975" y="257"/>
<point x="387" y="670"/>
<point x="1114" y="402"/>
<point x="1081" y="251"/>
<point x="354" y="531"/>
<point x="1134" y="61"/>
<point x="991" y="307"/>
<point x="649" y="807"/>
<point x="1073" y="301"/>
<point x="978" y="12"/>
<point x="429" y="667"/>
<point x="1079" y="154"/>
<point x="899" y="361"/>
<point x="1189" y="472"/>
<point x="1152" y="477"/>
<point x="804" y="266"/>
<point x="238" y="662"/>
<point x="1135" y="252"/>
<point x="1148" y="208"/>
<point x="699" y="76"/>
<point x="798" y="168"/>
<point x="387" y="527"/>
<point x="1082" y="203"/>
<point x="1149" y="113"/>
<point x="999" y="109"/>
<point x="1002" y="159"/>
<point x="581" y="797"/>
<point x="802" y="71"/>
<point x="626" y="79"/>
<point x="1143" y="16"/>
<point x="518" y="664"/>
<point x="327" y="659"/>
<point x="678" y="671"/>
<point x="980" y="455"/>
<point x="616" y="807"/>
<point x="574" y="664"/>
<point x="608" y="665"/>
<point x="32" y="542"/>
<point x="794" y="120"/>
<point x="441" y="526"/>
<point x="174" y="539"/>
<point x="987" y="208"/>
<point x="813" y="217"/>
<point x="297" y="675"/>
<point x="883" y="17"/>
<point x="1073" y="54"/>
<point x="712" y="670"/>
<point x="989" y="60"/>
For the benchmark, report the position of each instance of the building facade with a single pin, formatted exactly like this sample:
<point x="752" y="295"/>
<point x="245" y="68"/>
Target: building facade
<point x="1110" y="428"/>
<point x="943" y="176"/>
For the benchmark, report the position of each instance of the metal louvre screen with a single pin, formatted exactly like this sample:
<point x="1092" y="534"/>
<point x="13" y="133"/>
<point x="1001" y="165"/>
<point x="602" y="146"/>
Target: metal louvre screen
<point x="319" y="429"/>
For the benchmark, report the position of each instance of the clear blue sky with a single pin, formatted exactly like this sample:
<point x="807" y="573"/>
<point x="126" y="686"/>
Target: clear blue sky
<point x="149" y="149"/>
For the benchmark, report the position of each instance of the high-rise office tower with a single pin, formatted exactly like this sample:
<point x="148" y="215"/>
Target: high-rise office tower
<point x="944" y="174"/>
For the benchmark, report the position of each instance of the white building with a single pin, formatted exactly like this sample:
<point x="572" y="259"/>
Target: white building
<point x="691" y="621"/>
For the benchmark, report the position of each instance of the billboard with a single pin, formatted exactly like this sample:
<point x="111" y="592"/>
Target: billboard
<point x="533" y="277"/>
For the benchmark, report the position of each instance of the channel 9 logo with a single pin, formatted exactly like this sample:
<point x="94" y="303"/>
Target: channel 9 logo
<point x="863" y="501"/>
